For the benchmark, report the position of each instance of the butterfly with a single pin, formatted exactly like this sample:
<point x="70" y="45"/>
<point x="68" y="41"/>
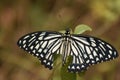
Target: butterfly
<point x="84" y="50"/>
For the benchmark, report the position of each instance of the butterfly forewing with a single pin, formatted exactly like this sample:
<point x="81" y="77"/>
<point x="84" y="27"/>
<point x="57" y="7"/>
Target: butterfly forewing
<point x="42" y="45"/>
<point x="88" y="50"/>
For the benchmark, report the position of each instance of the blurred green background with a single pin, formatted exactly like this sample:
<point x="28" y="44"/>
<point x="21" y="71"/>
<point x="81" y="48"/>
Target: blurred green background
<point x="18" y="17"/>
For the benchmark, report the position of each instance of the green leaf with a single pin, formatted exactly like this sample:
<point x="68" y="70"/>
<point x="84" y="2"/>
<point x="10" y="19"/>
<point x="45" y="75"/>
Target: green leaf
<point x="81" y="28"/>
<point x="57" y="67"/>
<point x="56" y="73"/>
<point x="65" y="75"/>
<point x="62" y="31"/>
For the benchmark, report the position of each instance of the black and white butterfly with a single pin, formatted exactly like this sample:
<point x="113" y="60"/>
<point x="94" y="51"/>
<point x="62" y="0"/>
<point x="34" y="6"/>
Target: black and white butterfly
<point x="85" y="50"/>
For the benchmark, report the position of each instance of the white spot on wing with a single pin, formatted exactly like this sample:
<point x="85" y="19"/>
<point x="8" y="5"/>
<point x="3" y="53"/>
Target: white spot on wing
<point x="82" y="66"/>
<point x="41" y="42"/>
<point x="24" y="41"/>
<point x="110" y="51"/>
<point x="101" y="56"/>
<point x="88" y="61"/>
<point x="19" y="41"/>
<point x="31" y="47"/>
<point x="91" y="57"/>
<point x="85" y="55"/>
<point x="109" y="46"/>
<point x="91" y="48"/>
<point x="24" y="45"/>
<point x="93" y="61"/>
<point x="97" y="59"/>
<point x="40" y="38"/>
<point x="40" y="50"/>
<point x="73" y="67"/>
<point x="93" y="44"/>
<point x="96" y="49"/>
<point x="88" y="50"/>
<point x="37" y="46"/>
<point x="94" y="53"/>
<point x="33" y="51"/>
<point x="109" y="56"/>
<point x="36" y="42"/>
<point x="78" y="67"/>
<point x="44" y="61"/>
<point x="48" y="63"/>
<point x="33" y="34"/>
<point x="26" y="36"/>
<point x="44" y="44"/>
<point x="106" y="58"/>
<point x="26" y="48"/>
<point x="45" y="50"/>
<point x="37" y="54"/>
<point x="41" y="55"/>
<point x="115" y="53"/>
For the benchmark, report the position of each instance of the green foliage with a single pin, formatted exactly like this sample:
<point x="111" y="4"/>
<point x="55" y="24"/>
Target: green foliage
<point x="62" y="31"/>
<point x="81" y="29"/>
<point x="57" y="68"/>
<point x="65" y="75"/>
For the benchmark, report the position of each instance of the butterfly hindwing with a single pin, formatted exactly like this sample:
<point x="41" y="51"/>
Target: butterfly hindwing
<point x="42" y="45"/>
<point x="88" y="50"/>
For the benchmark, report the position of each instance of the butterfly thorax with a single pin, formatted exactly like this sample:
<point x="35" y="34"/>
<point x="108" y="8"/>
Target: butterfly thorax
<point x="66" y="34"/>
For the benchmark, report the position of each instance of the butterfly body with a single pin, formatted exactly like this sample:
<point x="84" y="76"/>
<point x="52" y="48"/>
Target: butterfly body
<point x="85" y="50"/>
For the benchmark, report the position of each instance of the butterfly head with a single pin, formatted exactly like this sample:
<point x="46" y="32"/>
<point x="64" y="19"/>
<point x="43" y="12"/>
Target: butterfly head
<point x="67" y="31"/>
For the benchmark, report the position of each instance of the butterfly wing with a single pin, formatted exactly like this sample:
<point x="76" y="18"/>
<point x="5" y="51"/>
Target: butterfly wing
<point x="42" y="45"/>
<point x="87" y="50"/>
